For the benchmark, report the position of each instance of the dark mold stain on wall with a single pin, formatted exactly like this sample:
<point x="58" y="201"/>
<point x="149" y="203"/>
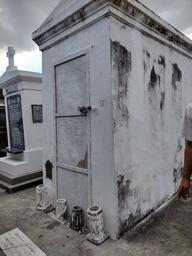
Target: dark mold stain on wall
<point x="176" y="75"/>
<point x="162" y="102"/>
<point x="146" y="59"/>
<point x="124" y="193"/>
<point x="161" y="61"/>
<point x="123" y="188"/>
<point x="144" y="66"/>
<point x="133" y="220"/>
<point x="128" y="224"/>
<point x="146" y="52"/>
<point x="178" y="162"/>
<point x="122" y="66"/>
<point x="154" y="78"/>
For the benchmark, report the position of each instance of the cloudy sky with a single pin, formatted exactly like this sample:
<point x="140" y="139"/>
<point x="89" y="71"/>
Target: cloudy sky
<point x="19" y="18"/>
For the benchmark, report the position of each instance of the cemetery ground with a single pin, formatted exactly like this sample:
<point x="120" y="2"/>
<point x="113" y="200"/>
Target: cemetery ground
<point x="170" y="234"/>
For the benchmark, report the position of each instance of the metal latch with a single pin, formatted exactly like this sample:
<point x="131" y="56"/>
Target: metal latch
<point x="83" y="110"/>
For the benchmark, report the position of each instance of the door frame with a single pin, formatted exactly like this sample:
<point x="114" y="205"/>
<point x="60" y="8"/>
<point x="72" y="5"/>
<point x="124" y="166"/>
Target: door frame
<point x="84" y="52"/>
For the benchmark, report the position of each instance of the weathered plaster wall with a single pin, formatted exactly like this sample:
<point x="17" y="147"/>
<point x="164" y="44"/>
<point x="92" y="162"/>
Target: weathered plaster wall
<point x="97" y="187"/>
<point x="151" y="87"/>
<point x="139" y="87"/>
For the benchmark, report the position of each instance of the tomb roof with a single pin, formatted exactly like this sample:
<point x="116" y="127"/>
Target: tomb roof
<point x="15" y="76"/>
<point x="70" y="12"/>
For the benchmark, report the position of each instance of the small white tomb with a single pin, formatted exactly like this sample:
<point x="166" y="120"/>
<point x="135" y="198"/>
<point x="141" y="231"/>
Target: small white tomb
<point x="23" y="100"/>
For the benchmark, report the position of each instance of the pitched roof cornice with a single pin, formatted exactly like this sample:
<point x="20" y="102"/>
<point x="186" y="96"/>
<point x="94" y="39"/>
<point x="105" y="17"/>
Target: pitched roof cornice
<point x="132" y="8"/>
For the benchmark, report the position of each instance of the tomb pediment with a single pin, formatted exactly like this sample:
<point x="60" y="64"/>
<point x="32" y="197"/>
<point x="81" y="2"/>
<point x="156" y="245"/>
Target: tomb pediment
<point x="71" y="12"/>
<point x="64" y="9"/>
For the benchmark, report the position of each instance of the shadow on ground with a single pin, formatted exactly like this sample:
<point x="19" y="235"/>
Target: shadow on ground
<point x="169" y="235"/>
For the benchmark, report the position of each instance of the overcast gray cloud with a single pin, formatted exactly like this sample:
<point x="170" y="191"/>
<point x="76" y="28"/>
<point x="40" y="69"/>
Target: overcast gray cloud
<point x="176" y="12"/>
<point x="19" y="18"/>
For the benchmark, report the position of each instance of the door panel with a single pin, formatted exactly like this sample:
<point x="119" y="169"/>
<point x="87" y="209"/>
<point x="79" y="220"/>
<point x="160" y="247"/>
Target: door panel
<point x="71" y="140"/>
<point x="72" y="131"/>
<point x="71" y="125"/>
<point x="74" y="189"/>
<point x="71" y="88"/>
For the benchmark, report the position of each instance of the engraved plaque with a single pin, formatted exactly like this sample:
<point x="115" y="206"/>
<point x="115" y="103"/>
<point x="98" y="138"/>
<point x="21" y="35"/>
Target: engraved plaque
<point x="16" y="243"/>
<point x="3" y="132"/>
<point x="15" y="123"/>
<point x="37" y="113"/>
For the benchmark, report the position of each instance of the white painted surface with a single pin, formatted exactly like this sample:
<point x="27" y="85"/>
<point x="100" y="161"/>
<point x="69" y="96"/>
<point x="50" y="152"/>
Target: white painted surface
<point x="28" y="85"/>
<point x="89" y="190"/>
<point x="134" y="145"/>
<point x="148" y="144"/>
<point x="16" y="243"/>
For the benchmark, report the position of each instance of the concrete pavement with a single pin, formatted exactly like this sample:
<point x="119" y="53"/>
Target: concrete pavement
<point x="169" y="235"/>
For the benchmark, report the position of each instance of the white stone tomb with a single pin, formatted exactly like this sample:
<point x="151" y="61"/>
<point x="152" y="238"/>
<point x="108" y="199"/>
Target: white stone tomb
<point x="23" y="100"/>
<point x="121" y="58"/>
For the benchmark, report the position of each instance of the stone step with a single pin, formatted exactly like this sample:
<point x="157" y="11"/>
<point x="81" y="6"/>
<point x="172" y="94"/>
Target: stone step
<point x="13" y="188"/>
<point x="16" y="179"/>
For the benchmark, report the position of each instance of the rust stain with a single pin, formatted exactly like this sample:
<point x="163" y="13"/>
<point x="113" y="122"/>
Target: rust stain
<point x="83" y="163"/>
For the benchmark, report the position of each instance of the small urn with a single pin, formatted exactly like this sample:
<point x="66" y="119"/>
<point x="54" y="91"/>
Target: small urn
<point x="76" y="220"/>
<point x="42" y="197"/>
<point x="97" y="234"/>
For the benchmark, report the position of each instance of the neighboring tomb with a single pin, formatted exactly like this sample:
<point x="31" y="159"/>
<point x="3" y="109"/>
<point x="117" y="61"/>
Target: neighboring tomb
<point x="23" y="99"/>
<point x="117" y="81"/>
